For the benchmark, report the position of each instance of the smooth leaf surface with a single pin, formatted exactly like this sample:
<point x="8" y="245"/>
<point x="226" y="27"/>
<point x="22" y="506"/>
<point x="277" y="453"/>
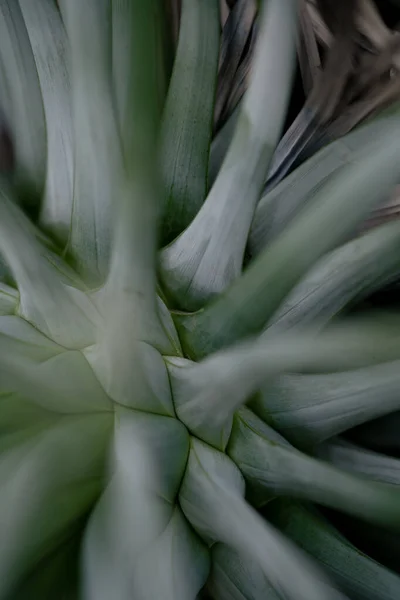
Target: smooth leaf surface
<point x="320" y="227"/>
<point x="97" y="151"/>
<point x="64" y="313"/>
<point x="271" y="464"/>
<point x="236" y="577"/>
<point x="211" y="390"/>
<point x="135" y="526"/>
<point x="188" y="115"/>
<point x="211" y="497"/>
<point x="280" y="205"/>
<point x="208" y="255"/>
<point x="349" y="273"/>
<point x="50" y="50"/>
<point x="308" y="409"/>
<point x="360" y="576"/>
<point x="18" y="81"/>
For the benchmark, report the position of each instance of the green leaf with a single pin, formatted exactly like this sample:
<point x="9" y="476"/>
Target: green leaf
<point x="127" y="360"/>
<point x="208" y="255"/>
<point x="64" y="313"/>
<point x="323" y="224"/>
<point x="278" y="207"/>
<point x="48" y="484"/>
<point x="8" y="300"/>
<point x="188" y="115"/>
<point x="236" y="577"/>
<point x="35" y="370"/>
<point x="18" y="82"/>
<point x="210" y="391"/>
<point x="235" y="35"/>
<point x="220" y="145"/>
<point x="349" y="273"/>
<point x="55" y="576"/>
<point x="169" y="443"/>
<point x="135" y="526"/>
<point x="211" y="498"/>
<point x="359" y="576"/>
<point x="50" y="47"/>
<point x="97" y="152"/>
<point x="361" y="461"/>
<point x="308" y="409"/>
<point x="273" y="466"/>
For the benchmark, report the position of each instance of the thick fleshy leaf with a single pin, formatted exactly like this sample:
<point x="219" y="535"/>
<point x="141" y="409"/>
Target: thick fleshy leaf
<point x="97" y="152"/>
<point x="37" y="371"/>
<point x="211" y="497"/>
<point x="236" y="577"/>
<point x="8" y="300"/>
<point x="355" y="459"/>
<point x="169" y="326"/>
<point x="54" y="577"/>
<point x="308" y="409"/>
<point x="235" y="33"/>
<point x="220" y="145"/>
<point x="135" y="526"/>
<point x="349" y="273"/>
<point x="24" y="475"/>
<point x="280" y="205"/>
<point x="274" y="467"/>
<point x="18" y="82"/>
<point x="207" y="393"/>
<point x="126" y="360"/>
<point x="64" y="313"/>
<point x="334" y="213"/>
<point x="188" y="383"/>
<point x="169" y="443"/>
<point x="50" y="47"/>
<point x="20" y="416"/>
<point x="48" y="484"/>
<point x="188" y="115"/>
<point x="360" y="576"/>
<point x="208" y="255"/>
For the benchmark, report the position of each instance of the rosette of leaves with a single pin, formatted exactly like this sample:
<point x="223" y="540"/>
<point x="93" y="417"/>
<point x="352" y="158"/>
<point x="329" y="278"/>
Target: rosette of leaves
<point x="130" y="466"/>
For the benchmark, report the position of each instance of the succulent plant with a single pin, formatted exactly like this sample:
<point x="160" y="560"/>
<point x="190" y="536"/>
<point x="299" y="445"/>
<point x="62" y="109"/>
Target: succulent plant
<point x="175" y="365"/>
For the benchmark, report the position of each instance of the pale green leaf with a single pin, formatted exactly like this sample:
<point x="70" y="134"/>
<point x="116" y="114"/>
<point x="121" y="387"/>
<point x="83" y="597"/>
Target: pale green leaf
<point x="97" y="152"/>
<point x="42" y="373"/>
<point x="64" y="313"/>
<point x="50" y="47"/>
<point x="340" y="205"/>
<point x="126" y="361"/>
<point x="188" y="115"/>
<point x="8" y="300"/>
<point x="235" y="34"/>
<point x="208" y="256"/>
<point x="49" y="485"/>
<point x="274" y="466"/>
<point x="135" y="527"/>
<point x="355" y="459"/>
<point x="220" y="145"/>
<point x="360" y="576"/>
<point x="19" y="82"/>
<point x="351" y="272"/>
<point x="280" y="205"/>
<point x="236" y="577"/>
<point x="308" y="409"/>
<point x="211" y="498"/>
<point x="208" y="392"/>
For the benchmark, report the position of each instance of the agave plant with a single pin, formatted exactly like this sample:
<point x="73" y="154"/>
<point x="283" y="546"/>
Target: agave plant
<point x="133" y="332"/>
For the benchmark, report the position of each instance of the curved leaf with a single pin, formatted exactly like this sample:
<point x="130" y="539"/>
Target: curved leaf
<point x="208" y="255"/>
<point x="188" y="115"/>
